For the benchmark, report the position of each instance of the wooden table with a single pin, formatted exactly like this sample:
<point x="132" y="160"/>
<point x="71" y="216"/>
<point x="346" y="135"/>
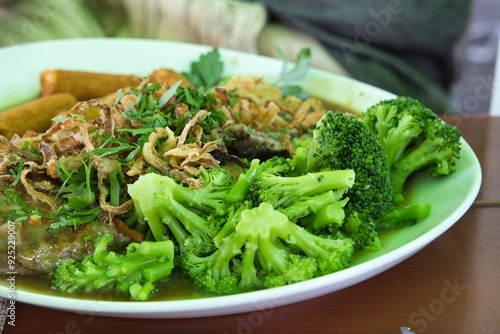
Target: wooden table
<point x="451" y="286"/>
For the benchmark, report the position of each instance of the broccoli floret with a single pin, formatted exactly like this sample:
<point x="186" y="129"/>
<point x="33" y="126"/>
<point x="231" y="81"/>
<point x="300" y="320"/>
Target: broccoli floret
<point x="362" y="232"/>
<point x="340" y="143"/>
<point x="282" y="191"/>
<point x="329" y="215"/>
<point x="274" y="166"/>
<point x="413" y="138"/>
<point x="192" y="215"/>
<point x="232" y="218"/>
<point x="135" y="273"/>
<point x="265" y="250"/>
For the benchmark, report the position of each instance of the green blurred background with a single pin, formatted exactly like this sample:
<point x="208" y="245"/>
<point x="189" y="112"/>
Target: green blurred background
<point x="441" y="52"/>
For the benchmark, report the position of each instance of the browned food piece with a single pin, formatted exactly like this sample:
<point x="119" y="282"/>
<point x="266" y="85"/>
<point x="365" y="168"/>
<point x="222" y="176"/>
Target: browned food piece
<point x="168" y="76"/>
<point x="39" y="250"/>
<point x="254" y="144"/>
<point x="164" y="76"/>
<point x="84" y="85"/>
<point x="35" y="115"/>
<point x="127" y="231"/>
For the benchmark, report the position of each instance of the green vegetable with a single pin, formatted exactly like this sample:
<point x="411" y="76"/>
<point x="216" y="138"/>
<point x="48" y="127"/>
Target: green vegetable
<point x="402" y="215"/>
<point x="191" y="215"/>
<point x="413" y="138"/>
<point x="282" y="191"/>
<point x="341" y="142"/>
<point x="207" y="71"/>
<point x="266" y="250"/>
<point x="136" y="273"/>
<point x="289" y="77"/>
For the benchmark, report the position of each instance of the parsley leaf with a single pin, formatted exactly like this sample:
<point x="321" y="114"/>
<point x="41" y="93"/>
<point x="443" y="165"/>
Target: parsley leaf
<point x="207" y="71"/>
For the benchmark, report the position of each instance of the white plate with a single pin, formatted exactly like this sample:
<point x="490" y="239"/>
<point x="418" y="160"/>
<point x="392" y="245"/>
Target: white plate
<point x="451" y="197"/>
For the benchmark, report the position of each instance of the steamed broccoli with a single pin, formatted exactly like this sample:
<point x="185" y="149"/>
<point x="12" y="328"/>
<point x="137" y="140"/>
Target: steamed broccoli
<point x="413" y="138"/>
<point x="341" y="142"/>
<point x="344" y="142"/>
<point x="403" y="215"/>
<point x="134" y="273"/>
<point x="306" y="196"/>
<point x="266" y="250"/>
<point x="274" y="166"/>
<point x="282" y="191"/>
<point x="192" y="215"/>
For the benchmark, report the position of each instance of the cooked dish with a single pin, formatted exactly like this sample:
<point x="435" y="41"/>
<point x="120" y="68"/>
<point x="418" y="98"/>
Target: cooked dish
<point x="234" y="184"/>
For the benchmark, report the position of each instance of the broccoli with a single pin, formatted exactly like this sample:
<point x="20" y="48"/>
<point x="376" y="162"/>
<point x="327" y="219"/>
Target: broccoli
<point x="324" y="214"/>
<point x="282" y="191"/>
<point x="192" y="215"/>
<point x="413" y="138"/>
<point x="403" y="215"/>
<point x="313" y="200"/>
<point x="134" y="273"/>
<point x="275" y="166"/>
<point x="266" y="250"/>
<point x="341" y="142"/>
<point x="362" y="232"/>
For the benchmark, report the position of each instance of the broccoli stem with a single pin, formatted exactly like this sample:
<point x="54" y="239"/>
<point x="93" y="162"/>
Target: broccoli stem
<point x="154" y="222"/>
<point x="299" y="162"/>
<point x="402" y="215"/>
<point x="158" y="271"/>
<point x="275" y="258"/>
<point x="228" y="226"/>
<point x="249" y="277"/>
<point x="191" y="221"/>
<point x="141" y="292"/>
<point x="241" y="188"/>
<point x="310" y="244"/>
<point x="327" y="215"/>
<point x="102" y="281"/>
<point x="426" y="153"/>
<point x="159" y="248"/>
<point x="125" y="283"/>
<point x="313" y="204"/>
<point x="313" y="183"/>
<point x="100" y="250"/>
<point x="174" y="226"/>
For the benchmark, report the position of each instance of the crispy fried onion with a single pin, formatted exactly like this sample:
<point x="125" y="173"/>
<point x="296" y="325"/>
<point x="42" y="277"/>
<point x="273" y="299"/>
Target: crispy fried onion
<point x="7" y="146"/>
<point x="123" y="228"/>
<point x="152" y="157"/>
<point x="262" y="118"/>
<point x="37" y="195"/>
<point x="82" y="127"/>
<point x="49" y="159"/>
<point x="106" y="167"/>
<point x="187" y="157"/>
<point x="262" y="106"/>
<point x="305" y="113"/>
<point x="97" y="113"/>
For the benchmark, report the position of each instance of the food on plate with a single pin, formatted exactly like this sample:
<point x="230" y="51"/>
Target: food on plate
<point x="82" y="84"/>
<point x="232" y="183"/>
<point x="413" y="138"/>
<point x="145" y="262"/>
<point x="35" y="115"/>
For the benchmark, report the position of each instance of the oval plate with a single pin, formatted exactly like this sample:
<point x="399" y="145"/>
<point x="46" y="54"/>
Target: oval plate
<point x="451" y="197"/>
